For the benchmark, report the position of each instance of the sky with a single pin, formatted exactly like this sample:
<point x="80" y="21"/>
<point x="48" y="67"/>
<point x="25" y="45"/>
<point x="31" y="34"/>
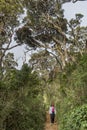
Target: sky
<point x="70" y="10"/>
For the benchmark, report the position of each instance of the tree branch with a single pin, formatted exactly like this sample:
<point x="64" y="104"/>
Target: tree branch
<point x="10" y="47"/>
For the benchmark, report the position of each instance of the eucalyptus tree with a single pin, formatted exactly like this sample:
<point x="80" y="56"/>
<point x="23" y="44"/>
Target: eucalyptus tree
<point x="46" y="30"/>
<point x="77" y="41"/>
<point x="43" y="62"/>
<point x="9" y="12"/>
<point x="45" y="27"/>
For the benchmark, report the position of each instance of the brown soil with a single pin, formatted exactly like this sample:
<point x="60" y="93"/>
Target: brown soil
<point x="48" y="125"/>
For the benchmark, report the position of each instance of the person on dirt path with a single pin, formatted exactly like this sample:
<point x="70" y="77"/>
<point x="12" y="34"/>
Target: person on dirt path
<point x="52" y="112"/>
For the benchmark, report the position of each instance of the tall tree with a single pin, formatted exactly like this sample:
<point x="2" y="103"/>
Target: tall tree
<point x="9" y="12"/>
<point x="46" y="28"/>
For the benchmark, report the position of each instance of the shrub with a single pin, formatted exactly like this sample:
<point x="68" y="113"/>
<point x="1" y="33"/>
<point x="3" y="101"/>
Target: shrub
<point x="26" y="117"/>
<point x="76" y="119"/>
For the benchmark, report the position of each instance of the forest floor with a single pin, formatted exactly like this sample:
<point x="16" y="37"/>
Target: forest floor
<point x="48" y="125"/>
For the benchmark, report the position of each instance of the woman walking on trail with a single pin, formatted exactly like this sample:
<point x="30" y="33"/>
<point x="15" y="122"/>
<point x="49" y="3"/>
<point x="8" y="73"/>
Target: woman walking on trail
<point x="52" y="112"/>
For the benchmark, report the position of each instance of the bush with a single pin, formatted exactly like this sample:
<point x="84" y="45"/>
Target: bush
<point x="26" y="117"/>
<point x="76" y="119"/>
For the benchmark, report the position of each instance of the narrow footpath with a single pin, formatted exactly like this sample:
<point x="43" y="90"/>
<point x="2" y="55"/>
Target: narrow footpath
<point x="48" y="125"/>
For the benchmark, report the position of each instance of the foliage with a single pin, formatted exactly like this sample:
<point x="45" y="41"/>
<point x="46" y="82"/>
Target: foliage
<point x="61" y="60"/>
<point x="47" y="29"/>
<point x="9" y="12"/>
<point x="20" y="93"/>
<point x="75" y="119"/>
<point x="73" y="93"/>
<point x="45" y="26"/>
<point x="26" y="115"/>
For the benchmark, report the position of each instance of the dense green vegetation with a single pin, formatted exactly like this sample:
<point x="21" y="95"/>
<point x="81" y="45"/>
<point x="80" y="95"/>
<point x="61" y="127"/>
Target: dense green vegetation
<point x="56" y="70"/>
<point x="76" y="119"/>
<point x="72" y="107"/>
<point x="21" y="105"/>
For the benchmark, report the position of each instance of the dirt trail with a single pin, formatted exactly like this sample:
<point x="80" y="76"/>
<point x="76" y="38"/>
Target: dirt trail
<point x="48" y="125"/>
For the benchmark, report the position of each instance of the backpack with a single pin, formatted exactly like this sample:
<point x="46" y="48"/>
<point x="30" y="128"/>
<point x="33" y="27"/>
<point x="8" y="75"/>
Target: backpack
<point x="52" y="109"/>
